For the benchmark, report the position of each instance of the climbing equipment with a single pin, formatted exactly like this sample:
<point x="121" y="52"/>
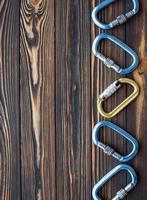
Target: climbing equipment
<point x="107" y="149"/>
<point x="110" y="63"/>
<point x="119" y="20"/>
<point x="123" y="192"/>
<point x="111" y="90"/>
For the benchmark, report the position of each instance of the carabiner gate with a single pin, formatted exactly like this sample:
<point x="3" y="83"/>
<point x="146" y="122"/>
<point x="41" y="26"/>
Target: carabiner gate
<point x="107" y="149"/>
<point x="109" y="62"/>
<point x="119" y="20"/>
<point x="111" y="90"/>
<point x="121" y="193"/>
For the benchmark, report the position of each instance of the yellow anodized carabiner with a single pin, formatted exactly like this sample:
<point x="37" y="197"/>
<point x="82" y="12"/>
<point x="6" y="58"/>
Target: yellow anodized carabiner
<point x="111" y="90"/>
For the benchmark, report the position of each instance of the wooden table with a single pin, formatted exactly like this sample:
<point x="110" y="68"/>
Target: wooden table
<point x="49" y="83"/>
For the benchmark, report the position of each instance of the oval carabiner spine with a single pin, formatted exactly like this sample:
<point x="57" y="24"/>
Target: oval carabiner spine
<point x="119" y="20"/>
<point x="107" y="149"/>
<point x="109" y="62"/>
<point x="121" y="193"/>
<point x="111" y="90"/>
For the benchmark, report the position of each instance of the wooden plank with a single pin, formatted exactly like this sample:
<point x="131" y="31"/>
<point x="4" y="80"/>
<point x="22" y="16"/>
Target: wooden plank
<point x="136" y="33"/>
<point x="9" y="100"/>
<point x="37" y="99"/>
<point x="60" y="80"/>
<point x="101" y="78"/>
<point x="73" y="120"/>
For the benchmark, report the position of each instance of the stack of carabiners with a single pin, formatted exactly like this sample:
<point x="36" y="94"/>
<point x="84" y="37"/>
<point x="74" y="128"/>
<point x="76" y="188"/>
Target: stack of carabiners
<point x="108" y="92"/>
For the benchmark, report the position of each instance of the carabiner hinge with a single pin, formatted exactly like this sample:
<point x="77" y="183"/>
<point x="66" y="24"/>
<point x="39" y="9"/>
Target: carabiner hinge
<point x="123" y="192"/>
<point x="119" y="20"/>
<point x="111" y="89"/>
<point x="122" y="18"/>
<point x="108" y="62"/>
<point x="109" y="151"/>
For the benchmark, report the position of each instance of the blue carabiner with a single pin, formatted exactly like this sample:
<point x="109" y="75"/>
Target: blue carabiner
<point x="121" y="193"/>
<point x="107" y="149"/>
<point x="110" y="63"/>
<point x="119" y="20"/>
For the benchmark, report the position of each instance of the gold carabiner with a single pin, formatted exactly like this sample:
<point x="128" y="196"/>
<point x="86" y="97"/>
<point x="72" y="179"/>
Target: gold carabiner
<point x="111" y="90"/>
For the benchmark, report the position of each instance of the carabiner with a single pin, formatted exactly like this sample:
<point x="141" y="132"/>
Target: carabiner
<point x="111" y="90"/>
<point x="110" y="63"/>
<point x="121" y="193"/>
<point x="107" y="149"/>
<point x="119" y="20"/>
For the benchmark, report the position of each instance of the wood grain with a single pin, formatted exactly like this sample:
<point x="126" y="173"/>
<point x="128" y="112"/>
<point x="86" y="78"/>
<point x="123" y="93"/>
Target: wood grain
<point x="9" y="100"/>
<point x="136" y="36"/>
<point x="37" y="101"/>
<point x="73" y="120"/>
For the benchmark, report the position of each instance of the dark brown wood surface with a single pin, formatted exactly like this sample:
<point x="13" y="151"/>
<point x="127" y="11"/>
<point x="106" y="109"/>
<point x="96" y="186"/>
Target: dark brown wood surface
<point x="10" y="166"/>
<point x="49" y="84"/>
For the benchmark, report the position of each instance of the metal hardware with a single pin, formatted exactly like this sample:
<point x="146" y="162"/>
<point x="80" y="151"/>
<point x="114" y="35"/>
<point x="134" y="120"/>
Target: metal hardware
<point x="110" y="63"/>
<point x="119" y="20"/>
<point x="111" y="90"/>
<point x="123" y="192"/>
<point x="107" y="149"/>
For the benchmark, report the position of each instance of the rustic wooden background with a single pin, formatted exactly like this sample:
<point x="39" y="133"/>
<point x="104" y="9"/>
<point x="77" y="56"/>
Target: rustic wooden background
<point x="49" y="83"/>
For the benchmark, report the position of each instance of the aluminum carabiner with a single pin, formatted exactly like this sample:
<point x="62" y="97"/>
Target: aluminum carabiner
<point x="119" y="20"/>
<point x="121" y="193"/>
<point x="111" y="90"/>
<point x="107" y="149"/>
<point x="109" y="62"/>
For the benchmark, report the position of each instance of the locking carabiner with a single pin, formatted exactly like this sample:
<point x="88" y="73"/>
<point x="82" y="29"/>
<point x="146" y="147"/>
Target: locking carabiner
<point x="119" y="20"/>
<point x="111" y="90"/>
<point x="107" y="149"/>
<point x="109" y="62"/>
<point x="121" y="193"/>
